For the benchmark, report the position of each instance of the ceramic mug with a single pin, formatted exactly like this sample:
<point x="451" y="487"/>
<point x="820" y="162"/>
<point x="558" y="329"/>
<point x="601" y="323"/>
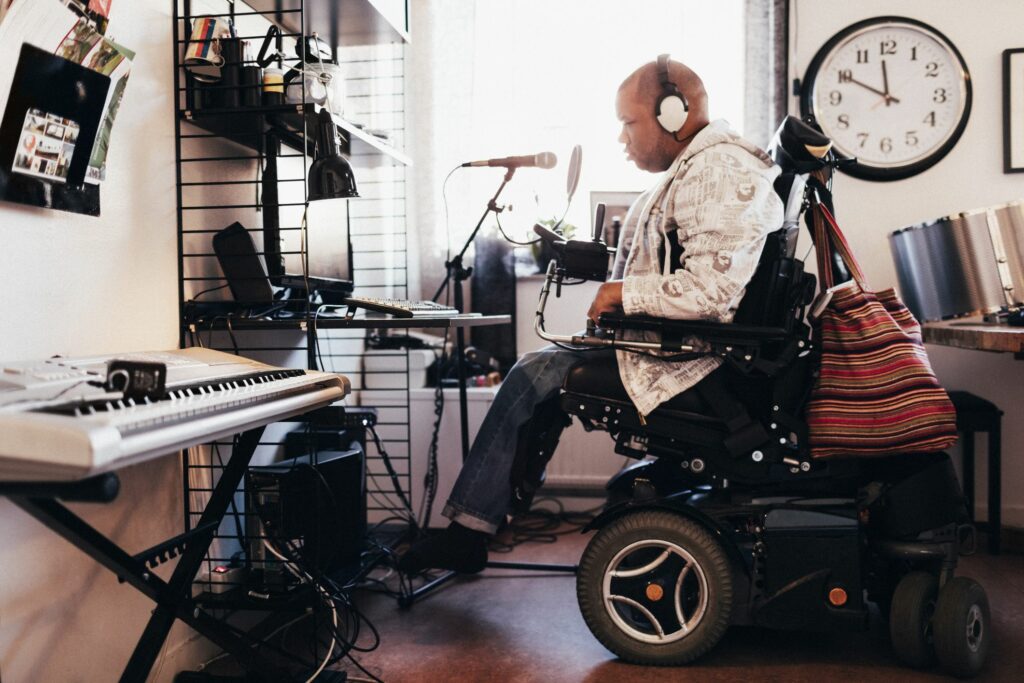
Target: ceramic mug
<point x="203" y="56"/>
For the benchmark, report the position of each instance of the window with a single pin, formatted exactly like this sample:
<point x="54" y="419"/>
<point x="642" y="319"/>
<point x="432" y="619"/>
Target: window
<point x="541" y="76"/>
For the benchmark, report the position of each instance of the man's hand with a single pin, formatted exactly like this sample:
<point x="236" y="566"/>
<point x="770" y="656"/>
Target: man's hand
<point x="608" y="300"/>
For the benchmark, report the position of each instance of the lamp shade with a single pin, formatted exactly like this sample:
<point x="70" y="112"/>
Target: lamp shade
<point x="330" y="175"/>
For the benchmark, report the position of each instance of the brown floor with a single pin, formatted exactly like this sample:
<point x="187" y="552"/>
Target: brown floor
<point x="525" y="627"/>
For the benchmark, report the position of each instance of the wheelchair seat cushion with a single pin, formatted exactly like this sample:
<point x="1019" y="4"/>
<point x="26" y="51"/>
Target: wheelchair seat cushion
<point x="600" y="379"/>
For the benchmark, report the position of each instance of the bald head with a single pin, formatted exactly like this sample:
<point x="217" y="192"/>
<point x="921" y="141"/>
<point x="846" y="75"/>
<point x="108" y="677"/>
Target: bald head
<point x="648" y="144"/>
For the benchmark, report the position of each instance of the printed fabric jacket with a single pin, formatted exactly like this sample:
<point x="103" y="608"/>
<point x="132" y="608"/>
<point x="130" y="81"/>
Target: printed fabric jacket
<point x="717" y="202"/>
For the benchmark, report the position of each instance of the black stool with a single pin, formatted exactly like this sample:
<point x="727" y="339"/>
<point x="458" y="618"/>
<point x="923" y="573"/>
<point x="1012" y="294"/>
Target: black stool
<point x="975" y="414"/>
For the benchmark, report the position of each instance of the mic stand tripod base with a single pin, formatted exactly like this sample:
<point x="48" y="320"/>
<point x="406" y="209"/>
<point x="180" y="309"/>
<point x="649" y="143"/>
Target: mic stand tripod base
<point x="406" y="601"/>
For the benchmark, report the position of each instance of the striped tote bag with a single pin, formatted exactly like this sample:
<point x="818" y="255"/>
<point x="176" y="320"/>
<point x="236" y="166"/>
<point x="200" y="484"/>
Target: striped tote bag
<point x="875" y="393"/>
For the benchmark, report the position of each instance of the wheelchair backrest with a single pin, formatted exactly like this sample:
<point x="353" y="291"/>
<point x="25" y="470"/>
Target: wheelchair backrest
<point x="779" y="290"/>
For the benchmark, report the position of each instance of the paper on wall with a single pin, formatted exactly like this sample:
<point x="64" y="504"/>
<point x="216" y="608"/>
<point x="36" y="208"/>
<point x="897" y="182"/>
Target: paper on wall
<point x="117" y="65"/>
<point x="52" y="26"/>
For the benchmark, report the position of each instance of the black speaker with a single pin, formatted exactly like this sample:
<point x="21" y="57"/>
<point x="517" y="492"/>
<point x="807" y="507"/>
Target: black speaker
<point x="243" y="269"/>
<point x="314" y="504"/>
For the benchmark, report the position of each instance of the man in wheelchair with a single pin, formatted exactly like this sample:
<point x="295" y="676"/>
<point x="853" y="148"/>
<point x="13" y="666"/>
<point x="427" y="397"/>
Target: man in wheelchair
<point x="704" y="198"/>
<point x="699" y="362"/>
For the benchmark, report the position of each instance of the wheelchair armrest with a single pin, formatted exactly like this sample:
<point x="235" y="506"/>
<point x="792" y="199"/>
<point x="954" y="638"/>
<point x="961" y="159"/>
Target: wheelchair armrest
<point x="749" y="348"/>
<point x="714" y="333"/>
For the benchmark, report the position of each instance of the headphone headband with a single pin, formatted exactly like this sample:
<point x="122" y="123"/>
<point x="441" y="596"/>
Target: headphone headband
<point x="666" y="84"/>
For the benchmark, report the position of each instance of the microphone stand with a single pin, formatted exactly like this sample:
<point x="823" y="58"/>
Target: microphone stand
<point x="457" y="273"/>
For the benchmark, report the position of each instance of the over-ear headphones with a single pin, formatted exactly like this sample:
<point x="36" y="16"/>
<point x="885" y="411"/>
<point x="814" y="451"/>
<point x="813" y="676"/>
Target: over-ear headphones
<point x="672" y="107"/>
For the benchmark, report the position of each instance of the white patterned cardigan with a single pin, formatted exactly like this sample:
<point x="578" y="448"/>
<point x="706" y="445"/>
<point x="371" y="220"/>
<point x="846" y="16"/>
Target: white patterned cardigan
<point x="718" y="201"/>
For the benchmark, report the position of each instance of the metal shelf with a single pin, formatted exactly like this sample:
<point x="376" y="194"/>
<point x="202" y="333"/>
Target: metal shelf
<point x="353" y="22"/>
<point x="244" y="126"/>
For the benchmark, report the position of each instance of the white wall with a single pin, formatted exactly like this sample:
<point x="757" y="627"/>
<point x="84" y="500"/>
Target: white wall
<point x="971" y="176"/>
<point x="77" y="285"/>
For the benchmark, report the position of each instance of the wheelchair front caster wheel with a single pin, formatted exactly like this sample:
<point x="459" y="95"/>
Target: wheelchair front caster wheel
<point x="962" y="627"/>
<point x="655" y="588"/>
<point x="910" y="619"/>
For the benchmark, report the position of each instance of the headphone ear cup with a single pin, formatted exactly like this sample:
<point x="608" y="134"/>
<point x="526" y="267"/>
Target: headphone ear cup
<point x="672" y="113"/>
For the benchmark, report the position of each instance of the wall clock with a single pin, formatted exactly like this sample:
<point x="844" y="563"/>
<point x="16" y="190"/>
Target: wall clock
<point x="893" y="92"/>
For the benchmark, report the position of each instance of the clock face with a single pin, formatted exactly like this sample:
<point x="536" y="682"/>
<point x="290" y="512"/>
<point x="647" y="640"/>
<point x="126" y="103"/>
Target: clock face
<point x="890" y="91"/>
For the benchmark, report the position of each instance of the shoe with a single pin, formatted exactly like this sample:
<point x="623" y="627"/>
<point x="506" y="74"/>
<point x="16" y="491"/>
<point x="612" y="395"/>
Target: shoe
<point x="457" y="548"/>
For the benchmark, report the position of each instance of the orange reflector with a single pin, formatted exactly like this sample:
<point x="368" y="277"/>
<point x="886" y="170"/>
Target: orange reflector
<point x="654" y="592"/>
<point x="837" y="596"/>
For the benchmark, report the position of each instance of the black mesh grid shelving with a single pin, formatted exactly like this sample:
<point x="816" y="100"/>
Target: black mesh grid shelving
<point x="222" y="147"/>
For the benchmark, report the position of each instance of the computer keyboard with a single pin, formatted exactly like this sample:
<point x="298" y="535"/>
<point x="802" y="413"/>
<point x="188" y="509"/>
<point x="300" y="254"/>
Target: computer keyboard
<point x="402" y="308"/>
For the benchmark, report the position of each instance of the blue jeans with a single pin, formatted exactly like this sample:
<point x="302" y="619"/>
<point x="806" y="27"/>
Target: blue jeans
<point x="482" y="494"/>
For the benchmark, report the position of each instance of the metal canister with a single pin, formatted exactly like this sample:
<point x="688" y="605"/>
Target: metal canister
<point x="963" y="264"/>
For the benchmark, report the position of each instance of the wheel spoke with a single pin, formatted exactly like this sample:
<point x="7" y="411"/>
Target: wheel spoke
<point x="649" y="567"/>
<point x="640" y="608"/>
<point x="678" y="600"/>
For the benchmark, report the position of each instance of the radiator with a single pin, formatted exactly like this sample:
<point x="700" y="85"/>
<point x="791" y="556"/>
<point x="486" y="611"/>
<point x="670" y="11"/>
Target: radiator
<point x="584" y="460"/>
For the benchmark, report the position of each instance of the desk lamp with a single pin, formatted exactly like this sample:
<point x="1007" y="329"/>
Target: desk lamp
<point x="330" y="175"/>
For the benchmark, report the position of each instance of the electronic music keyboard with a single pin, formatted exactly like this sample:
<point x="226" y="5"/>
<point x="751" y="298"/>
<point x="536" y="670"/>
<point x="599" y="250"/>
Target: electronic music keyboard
<point x="59" y="422"/>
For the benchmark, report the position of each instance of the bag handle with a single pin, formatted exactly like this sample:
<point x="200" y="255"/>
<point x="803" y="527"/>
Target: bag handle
<point x="828" y="236"/>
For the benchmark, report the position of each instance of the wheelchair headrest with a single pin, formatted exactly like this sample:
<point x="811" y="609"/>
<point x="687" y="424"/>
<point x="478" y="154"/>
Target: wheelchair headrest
<point x="799" y="147"/>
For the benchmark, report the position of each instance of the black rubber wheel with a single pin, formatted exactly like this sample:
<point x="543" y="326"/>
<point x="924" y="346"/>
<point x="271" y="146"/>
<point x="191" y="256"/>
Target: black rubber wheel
<point x="655" y="588"/>
<point x="910" y="619"/>
<point x="962" y="627"/>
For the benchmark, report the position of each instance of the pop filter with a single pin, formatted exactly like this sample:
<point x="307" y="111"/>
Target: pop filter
<point x="574" y="171"/>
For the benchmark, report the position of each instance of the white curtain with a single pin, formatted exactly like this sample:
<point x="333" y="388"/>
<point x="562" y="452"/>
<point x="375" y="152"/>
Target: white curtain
<point x="766" y="50"/>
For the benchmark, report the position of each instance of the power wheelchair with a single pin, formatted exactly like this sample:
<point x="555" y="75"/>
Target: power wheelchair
<point x="725" y="518"/>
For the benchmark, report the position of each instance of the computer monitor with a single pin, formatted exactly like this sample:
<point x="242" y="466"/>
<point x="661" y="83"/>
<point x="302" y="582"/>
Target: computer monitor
<point x="328" y="242"/>
<point x="328" y="246"/>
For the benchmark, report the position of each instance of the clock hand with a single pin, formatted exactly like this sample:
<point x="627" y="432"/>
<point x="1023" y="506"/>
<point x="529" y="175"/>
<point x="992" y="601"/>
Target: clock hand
<point x="889" y="99"/>
<point x="868" y="87"/>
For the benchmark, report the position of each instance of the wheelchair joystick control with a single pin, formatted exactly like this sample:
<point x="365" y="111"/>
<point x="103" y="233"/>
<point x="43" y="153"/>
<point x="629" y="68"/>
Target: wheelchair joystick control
<point x="599" y="221"/>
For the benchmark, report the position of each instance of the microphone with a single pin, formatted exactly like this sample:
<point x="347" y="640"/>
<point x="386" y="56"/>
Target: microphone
<point x="542" y="160"/>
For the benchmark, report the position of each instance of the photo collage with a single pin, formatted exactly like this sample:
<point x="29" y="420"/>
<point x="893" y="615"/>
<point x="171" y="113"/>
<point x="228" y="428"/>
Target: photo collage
<point x="46" y="146"/>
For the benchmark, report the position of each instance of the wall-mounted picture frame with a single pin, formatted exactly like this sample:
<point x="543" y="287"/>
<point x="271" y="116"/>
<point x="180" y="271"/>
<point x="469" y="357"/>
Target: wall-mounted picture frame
<point x="616" y="206"/>
<point x="47" y="131"/>
<point x="1013" y="110"/>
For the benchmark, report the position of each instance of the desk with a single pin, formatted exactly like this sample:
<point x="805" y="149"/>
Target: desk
<point x="311" y="324"/>
<point x="976" y="414"/>
<point x="976" y="335"/>
<point x="337" y="322"/>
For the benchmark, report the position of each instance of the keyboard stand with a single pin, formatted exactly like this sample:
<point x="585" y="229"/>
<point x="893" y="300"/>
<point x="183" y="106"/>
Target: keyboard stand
<point x="173" y="597"/>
